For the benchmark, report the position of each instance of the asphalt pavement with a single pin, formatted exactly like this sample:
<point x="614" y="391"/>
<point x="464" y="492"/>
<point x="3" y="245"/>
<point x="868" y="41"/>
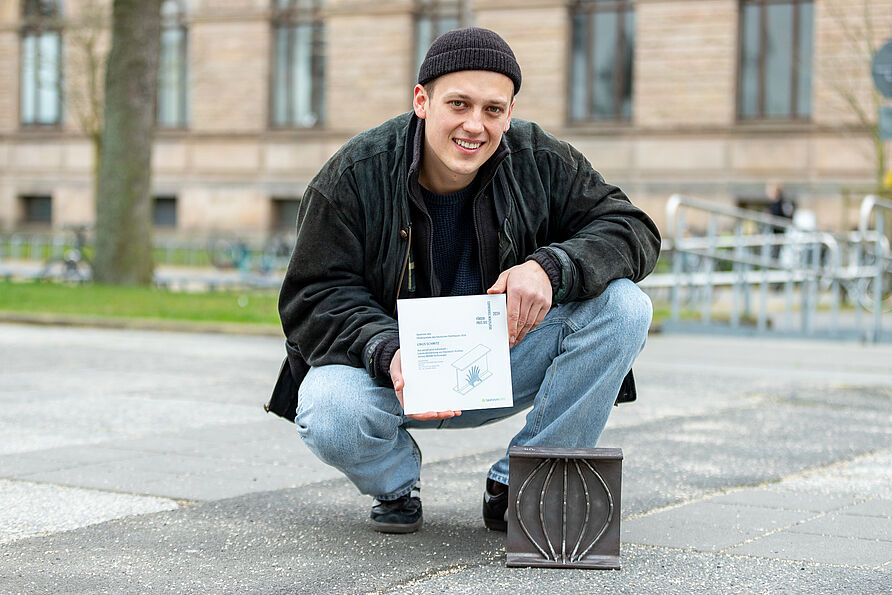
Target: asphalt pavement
<point x="142" y="461"/>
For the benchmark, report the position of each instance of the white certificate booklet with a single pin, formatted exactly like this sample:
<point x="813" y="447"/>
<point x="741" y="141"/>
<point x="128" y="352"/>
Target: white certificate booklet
<point x="454" y="353"/>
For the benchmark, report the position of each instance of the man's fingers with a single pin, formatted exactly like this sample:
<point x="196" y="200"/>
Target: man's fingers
<point x="539" y="317"/>
<point x="514" y="320"/>
<point x="534" y="318"/>
<point x="430" y="415"/>
<point x="500" y="285"/>
<point x="528" y="316"/>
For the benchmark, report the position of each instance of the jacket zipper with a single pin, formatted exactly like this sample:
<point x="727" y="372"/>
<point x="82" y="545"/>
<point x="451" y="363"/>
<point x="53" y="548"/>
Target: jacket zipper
<point x="399" y="285"/>
<point x="479" y="243"/>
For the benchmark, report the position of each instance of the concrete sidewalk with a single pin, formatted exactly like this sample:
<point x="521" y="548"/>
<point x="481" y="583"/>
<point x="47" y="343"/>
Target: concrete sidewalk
<point x="140" y="461"/>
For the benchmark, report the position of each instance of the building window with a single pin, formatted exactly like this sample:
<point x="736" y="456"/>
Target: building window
<point x="601" y="57"/>
<point x="776" y="42"/>
<point x="284" y="216"/>
<point x="164" y="211"/>
<point x="432" y="19"/>
<point x="37" y="210"/>
<point x="298" y="78"/>
<point x="41" y="93"/>
<point x="172" y="81"/>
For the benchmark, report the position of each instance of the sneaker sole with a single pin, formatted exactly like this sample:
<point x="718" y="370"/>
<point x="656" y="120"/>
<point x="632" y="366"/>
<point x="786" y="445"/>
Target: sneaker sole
<point x="396" y="527"/>
<point x="496" y="524"/>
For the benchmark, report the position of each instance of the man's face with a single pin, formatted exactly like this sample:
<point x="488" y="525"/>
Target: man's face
<point x="465" y="115"/>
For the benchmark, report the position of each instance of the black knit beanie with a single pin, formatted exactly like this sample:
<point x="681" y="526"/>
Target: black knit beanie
<point x="471" y="48"/>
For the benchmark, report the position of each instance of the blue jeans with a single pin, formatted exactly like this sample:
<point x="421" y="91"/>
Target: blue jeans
<point x="569" y="369"/>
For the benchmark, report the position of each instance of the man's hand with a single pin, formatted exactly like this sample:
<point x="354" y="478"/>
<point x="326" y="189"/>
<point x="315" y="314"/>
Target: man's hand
<point x="529" y="298"/>
<point x="396" y="375"/>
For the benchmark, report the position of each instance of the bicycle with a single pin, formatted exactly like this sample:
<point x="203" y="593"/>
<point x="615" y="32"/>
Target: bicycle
<point x="235" y="254"/>
<point x="228" y="254"/>
<point x="74" y="265"/>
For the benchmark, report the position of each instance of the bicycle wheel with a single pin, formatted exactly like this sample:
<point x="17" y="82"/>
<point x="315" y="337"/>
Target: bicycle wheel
<point x="53" y="270"/>
<point x="77" y="271"/>
<point x="222" y="253"/>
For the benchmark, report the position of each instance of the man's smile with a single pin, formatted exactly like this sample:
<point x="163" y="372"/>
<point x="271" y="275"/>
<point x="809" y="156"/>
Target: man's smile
<point x="467" y="144"/>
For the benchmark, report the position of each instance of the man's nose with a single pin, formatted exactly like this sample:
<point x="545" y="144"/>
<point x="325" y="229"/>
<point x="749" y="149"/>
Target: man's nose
<point x="474" y="121"/>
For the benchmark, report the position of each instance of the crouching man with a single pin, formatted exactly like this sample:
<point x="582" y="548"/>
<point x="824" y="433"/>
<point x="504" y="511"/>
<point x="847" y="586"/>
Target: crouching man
<point x="456" y="198"/>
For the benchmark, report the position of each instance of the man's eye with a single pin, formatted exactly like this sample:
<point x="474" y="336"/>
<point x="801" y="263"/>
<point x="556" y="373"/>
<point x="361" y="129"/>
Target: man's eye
<point x="457" y="103"/>
<point x="495" y="110"/>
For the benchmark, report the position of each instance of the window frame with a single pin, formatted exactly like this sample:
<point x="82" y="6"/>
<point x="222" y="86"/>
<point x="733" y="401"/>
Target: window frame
<point x="27" y="198"/>
<point x="166" y="199"/>
<point x="178" y="21"/>
<point x="795" y="61"/>
<point x="278" y="204"/>
<point x="290" y="17"/>
<point x="37" y="26"/>
<point x="436" y="11"/>
<point x="589" y="8"/>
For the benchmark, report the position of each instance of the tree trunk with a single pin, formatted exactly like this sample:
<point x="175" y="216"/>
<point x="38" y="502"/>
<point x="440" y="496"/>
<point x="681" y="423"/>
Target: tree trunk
<point x="123" y="201"/>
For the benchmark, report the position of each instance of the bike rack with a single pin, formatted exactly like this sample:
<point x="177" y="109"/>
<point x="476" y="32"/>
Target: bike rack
<point x="749" y="253"/>
<point x="873" y="205"/>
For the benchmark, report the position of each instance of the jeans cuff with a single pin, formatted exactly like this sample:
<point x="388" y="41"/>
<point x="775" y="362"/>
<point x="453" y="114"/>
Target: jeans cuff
<point x="502" y="479"/>
<point x="395" y="495"/>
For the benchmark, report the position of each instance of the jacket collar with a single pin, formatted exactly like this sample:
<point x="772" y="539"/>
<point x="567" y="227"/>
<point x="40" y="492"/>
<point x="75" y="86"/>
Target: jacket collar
<point x="415" y="151"/>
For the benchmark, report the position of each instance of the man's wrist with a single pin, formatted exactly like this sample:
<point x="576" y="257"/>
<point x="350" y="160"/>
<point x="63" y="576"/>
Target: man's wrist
<point x="378" y="353"/>
<point x="549" y="262"/>
<point x="384" y="356"/>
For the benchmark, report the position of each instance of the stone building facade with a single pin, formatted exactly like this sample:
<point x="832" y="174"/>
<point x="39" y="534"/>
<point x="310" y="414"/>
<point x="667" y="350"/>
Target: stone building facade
<point x="243" y="135"/>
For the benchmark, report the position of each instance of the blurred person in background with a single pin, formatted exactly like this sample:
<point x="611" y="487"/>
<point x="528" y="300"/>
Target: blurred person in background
<point x="780" y="204"/>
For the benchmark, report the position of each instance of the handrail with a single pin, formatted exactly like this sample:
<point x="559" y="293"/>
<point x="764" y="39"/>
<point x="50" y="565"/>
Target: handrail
<point x="871" y="203"/>
<point x="765" y="251"/>
<point x="805" y="237"/>
<point x="677" y="200"/>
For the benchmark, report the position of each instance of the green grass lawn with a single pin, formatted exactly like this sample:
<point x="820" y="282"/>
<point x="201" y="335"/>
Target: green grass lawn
<point x="105" y="301"/>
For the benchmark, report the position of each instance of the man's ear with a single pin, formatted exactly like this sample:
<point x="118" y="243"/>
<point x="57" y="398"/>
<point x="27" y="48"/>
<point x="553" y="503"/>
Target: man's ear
<point x="420" y="101"/>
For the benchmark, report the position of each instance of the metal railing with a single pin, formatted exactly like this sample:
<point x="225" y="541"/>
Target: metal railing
<point x="255" y="261"/>
<point x="872" y="290"/>
<point x="746" y="271"/>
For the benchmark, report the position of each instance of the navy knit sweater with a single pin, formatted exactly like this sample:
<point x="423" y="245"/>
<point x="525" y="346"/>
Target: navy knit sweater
<point x="453" y="250"/>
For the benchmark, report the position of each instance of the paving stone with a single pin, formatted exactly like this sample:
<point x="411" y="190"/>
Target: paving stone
<point x="55" y="459"/>
<point x="847" y="525"/>
<point x="784" y="499"/>
<point x="172" y="443"/>
<point x="243" y="432"/>
<point x="33" y="509"/>
<point x="209" y="487"/>
<point x="182" y="465"/>
<point x="187" y="477"/>
<point x="92" y="419"/>
<point x="707" y="527"/>
<point x="867" y="476"/>
<point x="275" y="452"/>
<point x="103" y="477"/>
<point x="825" y="549"/>
<point x="659" y="571"/>
<point x="874" y="507"/>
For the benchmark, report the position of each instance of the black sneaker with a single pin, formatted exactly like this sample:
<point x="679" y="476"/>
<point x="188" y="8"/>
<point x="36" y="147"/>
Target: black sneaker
<point x="402" y="515"/>
<point x="495" y="507"/>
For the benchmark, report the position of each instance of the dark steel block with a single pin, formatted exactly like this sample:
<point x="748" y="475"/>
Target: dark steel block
<point x="564" y="507"/>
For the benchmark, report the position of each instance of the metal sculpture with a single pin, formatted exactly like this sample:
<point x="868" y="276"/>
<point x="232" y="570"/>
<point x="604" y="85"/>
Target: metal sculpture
<point x="572" y="522"/>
